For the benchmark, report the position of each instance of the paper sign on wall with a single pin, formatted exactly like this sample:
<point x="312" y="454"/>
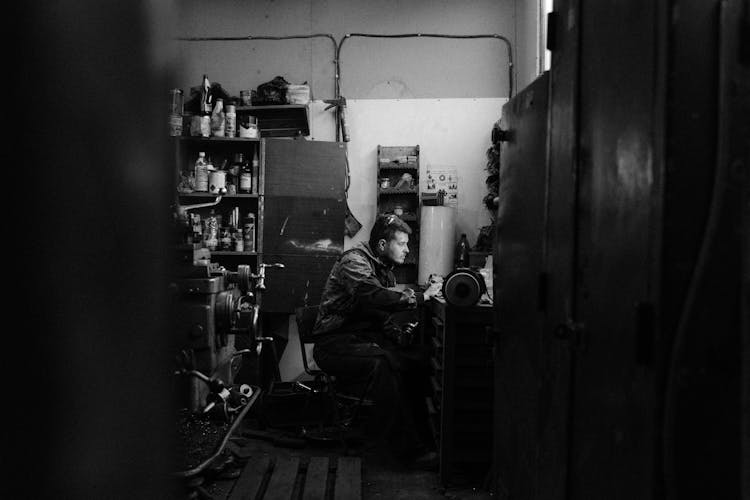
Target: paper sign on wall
<point x="443" y="179"/>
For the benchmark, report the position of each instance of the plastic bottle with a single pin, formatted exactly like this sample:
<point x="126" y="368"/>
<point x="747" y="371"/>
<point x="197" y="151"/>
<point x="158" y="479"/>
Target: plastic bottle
<point x="255" y="170"/>
<point x="462" y="252"/>
<point x="201" y="173"/>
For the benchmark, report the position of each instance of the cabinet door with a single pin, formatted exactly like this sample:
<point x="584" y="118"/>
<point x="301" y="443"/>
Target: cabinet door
<point x="303" y="226"/>
<point x="518" y="264"/>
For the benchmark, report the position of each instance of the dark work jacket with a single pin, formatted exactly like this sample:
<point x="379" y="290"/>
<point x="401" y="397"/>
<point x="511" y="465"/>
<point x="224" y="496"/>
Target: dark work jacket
<point x="359" y="295"/>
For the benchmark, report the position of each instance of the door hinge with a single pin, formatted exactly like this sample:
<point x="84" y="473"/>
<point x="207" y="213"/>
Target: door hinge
<point x="552" y="22"/>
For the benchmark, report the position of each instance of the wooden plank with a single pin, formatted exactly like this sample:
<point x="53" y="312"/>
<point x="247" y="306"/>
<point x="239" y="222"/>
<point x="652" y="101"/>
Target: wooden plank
<point x="315" y="482"/>
<point x="249" y="483"/>
<point x="348" y="484"/>
<point x="284" y="474"/>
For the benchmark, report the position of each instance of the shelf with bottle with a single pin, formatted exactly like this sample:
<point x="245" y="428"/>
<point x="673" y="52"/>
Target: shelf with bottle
<point x="196" y="194"/>
<point x="210" y="139"/>
<point x="238" y="178"/>
<point x="224" y="233"/>
<point x="229" y="253"/>
<point x="395" y="190"/>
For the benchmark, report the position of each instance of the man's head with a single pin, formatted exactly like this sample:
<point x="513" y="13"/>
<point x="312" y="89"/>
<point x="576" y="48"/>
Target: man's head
<point x="389" y="238"/>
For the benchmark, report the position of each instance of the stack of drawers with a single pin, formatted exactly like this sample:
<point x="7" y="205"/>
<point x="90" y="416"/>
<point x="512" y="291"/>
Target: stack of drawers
<point x="460" y="405"/>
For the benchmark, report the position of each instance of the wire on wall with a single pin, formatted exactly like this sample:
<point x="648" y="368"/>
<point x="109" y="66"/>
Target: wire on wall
<point x="426" y="35"/>
<point x="337" y="59"/>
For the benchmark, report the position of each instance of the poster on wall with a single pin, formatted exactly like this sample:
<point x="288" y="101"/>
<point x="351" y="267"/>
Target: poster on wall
<point x="443" y="180"/>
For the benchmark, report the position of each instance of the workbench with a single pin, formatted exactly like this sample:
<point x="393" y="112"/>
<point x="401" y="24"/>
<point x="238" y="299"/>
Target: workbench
<point x="460" y="405"/>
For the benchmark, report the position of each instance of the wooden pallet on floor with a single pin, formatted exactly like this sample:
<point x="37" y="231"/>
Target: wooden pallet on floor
<point x="314" y="478"/>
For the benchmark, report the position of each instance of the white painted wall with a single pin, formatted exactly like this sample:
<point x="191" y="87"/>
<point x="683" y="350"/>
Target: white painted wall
<point x="450" y="132"/>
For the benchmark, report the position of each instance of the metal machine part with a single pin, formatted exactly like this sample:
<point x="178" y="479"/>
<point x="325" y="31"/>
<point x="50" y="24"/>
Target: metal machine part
<point x="463" y="287"/>
<point x="214" y="305"/>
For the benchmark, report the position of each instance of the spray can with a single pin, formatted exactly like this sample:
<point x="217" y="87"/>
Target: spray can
<point x="230" y="128"/>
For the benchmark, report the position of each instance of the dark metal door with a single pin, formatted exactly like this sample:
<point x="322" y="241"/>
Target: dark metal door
<point x="613" y="404"/>
<point x="560" y="321"/>
<point x="518" y="262"/>
<point x="303" y="222"/>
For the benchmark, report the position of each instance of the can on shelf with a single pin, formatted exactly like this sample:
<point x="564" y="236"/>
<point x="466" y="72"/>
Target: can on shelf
<point x="217" y="181"/>
<point x="175" y="112"/>
<point x="175" y="106"/>
<point x="175" y="125"/>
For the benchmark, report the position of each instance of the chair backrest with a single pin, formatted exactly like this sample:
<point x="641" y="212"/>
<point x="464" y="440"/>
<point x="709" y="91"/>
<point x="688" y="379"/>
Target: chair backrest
<point x="305" y="317"/>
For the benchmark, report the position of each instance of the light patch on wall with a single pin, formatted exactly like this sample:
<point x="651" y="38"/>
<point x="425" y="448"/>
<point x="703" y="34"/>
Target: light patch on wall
<point x="391" y="88"/>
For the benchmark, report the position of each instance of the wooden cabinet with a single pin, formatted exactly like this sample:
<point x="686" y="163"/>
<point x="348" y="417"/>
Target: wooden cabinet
<point x="398" y="192"/>
<point x="298" y="205"/>
<point x="305" y="208"/>
<point x="299" y="209"/>
<point x="219" y="150"/>
<point x="460" y="405"/>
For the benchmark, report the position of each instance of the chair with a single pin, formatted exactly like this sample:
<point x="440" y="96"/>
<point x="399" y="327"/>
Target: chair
<point x="347" y="405"/>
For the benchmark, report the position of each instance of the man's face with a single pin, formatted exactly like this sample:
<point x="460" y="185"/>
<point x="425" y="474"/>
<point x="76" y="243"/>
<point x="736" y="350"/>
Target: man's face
<point x="397" y="248"/>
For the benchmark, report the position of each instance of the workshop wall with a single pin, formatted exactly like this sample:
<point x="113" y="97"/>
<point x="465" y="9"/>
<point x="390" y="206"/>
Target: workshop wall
<point x="370" y="68"/>
<point x="443" y="94"/>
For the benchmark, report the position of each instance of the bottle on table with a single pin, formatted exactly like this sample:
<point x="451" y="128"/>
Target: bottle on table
<point x="462" y="252"/>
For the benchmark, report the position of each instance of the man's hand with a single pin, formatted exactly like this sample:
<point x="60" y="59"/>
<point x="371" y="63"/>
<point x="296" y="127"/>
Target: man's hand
<point x="434" y="290"/>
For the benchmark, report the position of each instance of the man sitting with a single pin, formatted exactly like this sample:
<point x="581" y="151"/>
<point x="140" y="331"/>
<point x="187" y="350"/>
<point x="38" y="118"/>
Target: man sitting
<point x="358" y="337"/>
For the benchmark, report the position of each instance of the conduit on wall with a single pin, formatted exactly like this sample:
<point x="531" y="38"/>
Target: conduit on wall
<point x="424" y="35"/>
<point x="340" y="103"/>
